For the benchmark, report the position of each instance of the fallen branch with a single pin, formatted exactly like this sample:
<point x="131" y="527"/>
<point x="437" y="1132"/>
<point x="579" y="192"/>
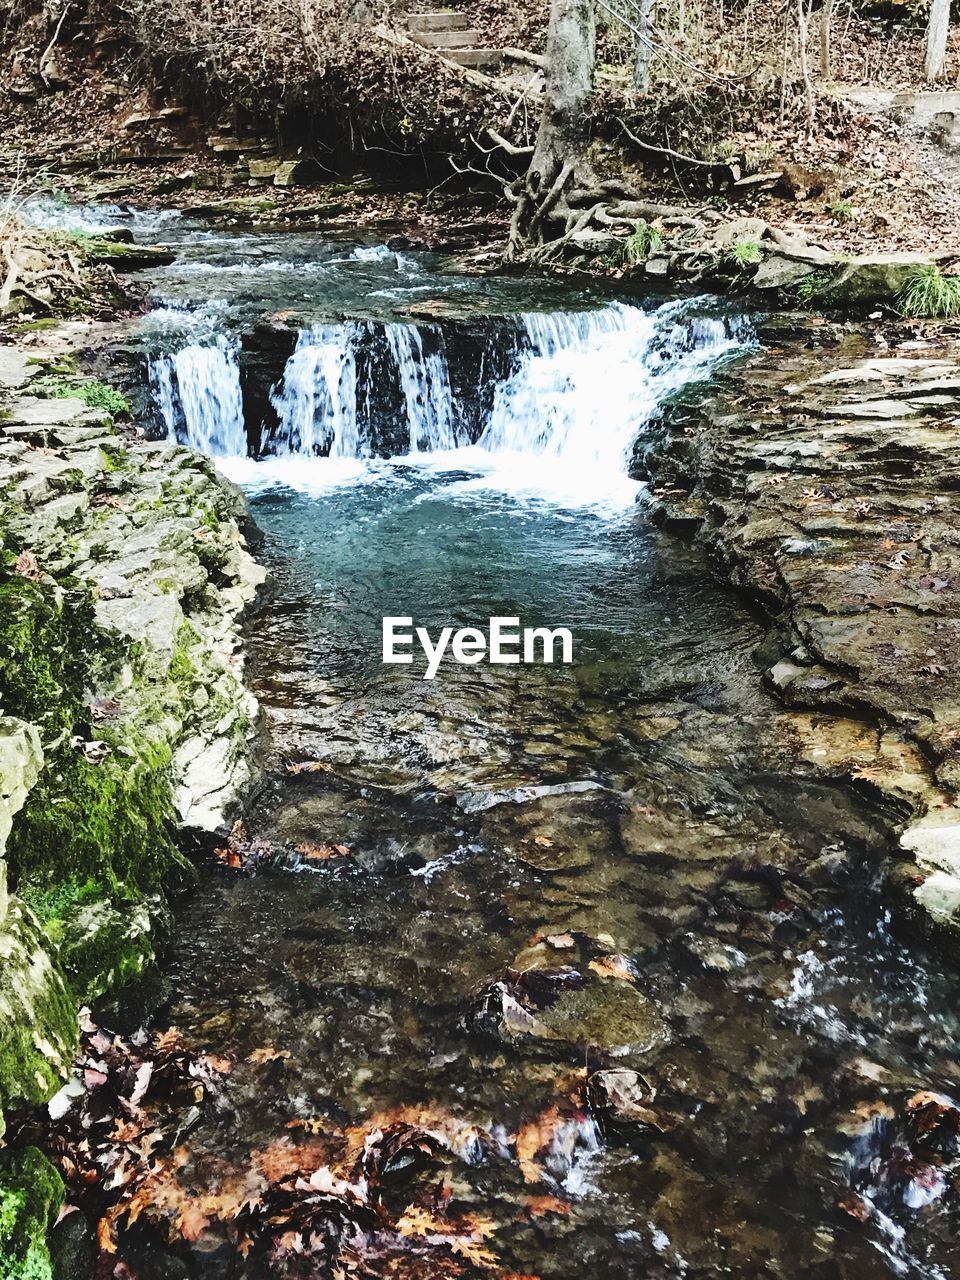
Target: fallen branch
<point x="53" y="43"/>
<point x="477" y="78"/>
<point x="524" y="55"/>
<point x="504" y="145"/>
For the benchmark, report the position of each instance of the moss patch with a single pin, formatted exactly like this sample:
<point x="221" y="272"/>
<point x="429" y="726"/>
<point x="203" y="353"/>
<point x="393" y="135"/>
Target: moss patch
<point x="31" y="1193"/>
<point x="111" y="820"/>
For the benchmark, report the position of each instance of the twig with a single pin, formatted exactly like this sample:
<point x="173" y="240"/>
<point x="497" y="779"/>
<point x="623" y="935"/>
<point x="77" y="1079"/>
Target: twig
<point x="50" y="47"/>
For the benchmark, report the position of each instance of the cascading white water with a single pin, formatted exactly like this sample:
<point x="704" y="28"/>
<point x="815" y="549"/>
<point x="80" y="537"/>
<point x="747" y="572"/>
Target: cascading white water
<point x="425" y="385"/>
<point x="580" y="388"/>
<point x="588" y="381"/>
<point x="322" y="409"/>
<point x="197" y="391"/>
<point x="317" y="407"/>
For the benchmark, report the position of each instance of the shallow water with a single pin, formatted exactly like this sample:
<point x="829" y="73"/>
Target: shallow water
<point x="642" y="851"/>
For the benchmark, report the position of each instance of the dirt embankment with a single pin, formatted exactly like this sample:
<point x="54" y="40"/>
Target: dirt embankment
<point x="131" y="105"/>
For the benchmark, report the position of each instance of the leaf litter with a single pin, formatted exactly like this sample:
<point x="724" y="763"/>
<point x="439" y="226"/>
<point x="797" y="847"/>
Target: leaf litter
<point x="383" y="1197"/>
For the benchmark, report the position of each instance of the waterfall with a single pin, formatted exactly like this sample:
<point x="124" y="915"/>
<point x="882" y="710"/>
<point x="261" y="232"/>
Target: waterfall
<point x="317" y="407"/>
<point x="572" y="391"/>
<point x="425" y="386"/>
<point x="588" y="381"/>
<point x="197" y="392"/>
<point x="324" y="407"/>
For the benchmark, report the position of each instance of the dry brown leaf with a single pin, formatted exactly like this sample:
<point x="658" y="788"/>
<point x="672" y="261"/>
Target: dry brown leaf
<point x="855" y="1206"/>
<point x="615" y="966"/>
<point x="27" y="567"/>
<point x="296" y="767"/>
<point x="105" y="1236"/>
<point x="540" y="1206"/>
<point x="561" y="941"/>
<point x="321" y="852"/>
<point x="267" y="1054"/>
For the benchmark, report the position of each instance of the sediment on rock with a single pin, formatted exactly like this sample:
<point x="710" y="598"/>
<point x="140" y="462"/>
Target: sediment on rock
<point x="832" y="500"/>
<point x="123" y="710"/>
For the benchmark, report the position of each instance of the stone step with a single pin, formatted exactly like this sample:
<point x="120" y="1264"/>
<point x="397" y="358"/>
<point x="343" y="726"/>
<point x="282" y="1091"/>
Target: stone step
<point x="438" y="22"/>
<point x="447" y="39"/>
<point x="488" y="59"/>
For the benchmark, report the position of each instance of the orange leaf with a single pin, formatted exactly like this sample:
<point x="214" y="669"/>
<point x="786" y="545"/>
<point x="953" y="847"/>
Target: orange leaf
<point x="105" y="1236"/>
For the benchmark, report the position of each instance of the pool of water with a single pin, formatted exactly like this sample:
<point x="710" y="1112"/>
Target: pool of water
<point x="650" y="810"/>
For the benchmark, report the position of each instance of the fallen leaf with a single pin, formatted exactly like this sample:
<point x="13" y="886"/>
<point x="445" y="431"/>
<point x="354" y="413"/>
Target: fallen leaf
<point x="27" y="567"/>
<point x="856" y="1206"/>
<point x="615" y="966"/>
<point x="321" y="852"/>
<point x="268" y="1054"/>
<point x="540" y="1206"/>
<point x="295" y="768"/>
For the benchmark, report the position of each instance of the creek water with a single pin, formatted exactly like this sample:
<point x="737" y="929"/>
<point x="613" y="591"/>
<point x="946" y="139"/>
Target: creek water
<point x="629" y="864"/>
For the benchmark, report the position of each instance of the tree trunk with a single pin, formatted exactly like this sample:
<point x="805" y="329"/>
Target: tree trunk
<point x="938" y="28"/>
<point x="803" y="45"/>
<point x="560" y="155"/>
<point x="641" y="66"/>
<point x="826" y="60"/>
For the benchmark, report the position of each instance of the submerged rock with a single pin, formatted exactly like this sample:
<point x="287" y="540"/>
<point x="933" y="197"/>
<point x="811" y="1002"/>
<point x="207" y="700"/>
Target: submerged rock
<point x="610" y="1015"/>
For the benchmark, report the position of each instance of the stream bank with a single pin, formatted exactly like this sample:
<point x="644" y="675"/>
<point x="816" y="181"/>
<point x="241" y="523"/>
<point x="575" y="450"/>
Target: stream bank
<point x="829" y="495"/>
<point x="123" y="577"/>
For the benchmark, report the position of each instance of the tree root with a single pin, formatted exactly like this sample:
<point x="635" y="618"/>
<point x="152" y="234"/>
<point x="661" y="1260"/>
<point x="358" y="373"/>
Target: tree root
<point x="36" y="269"/>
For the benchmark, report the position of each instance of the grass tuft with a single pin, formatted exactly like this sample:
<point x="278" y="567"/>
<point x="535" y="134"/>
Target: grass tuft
<point x="746" y="253"/>
<point x="930" y="295"/>
<point x="646" y="239"/>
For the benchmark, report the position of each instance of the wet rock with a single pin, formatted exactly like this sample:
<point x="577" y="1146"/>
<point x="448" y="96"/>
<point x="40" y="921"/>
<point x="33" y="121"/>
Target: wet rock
<point x="610" y="1015"/>
<point x="934" y="842"/>
<point x="835" y="515"/>
<point x="871" y="278"/>
<point x="21" y="758"/>
<point x="72" y="1248"/>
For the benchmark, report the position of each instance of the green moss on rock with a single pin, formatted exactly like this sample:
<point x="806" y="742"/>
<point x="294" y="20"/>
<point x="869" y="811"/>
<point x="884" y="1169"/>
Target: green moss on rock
<point x="38" y="1018"/>
<point x="31" y="1193"/>
<point x="109" y="820"/>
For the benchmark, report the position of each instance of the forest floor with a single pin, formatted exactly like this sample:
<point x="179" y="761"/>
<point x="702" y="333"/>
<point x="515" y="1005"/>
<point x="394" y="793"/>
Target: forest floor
<point x="861" y="177"/>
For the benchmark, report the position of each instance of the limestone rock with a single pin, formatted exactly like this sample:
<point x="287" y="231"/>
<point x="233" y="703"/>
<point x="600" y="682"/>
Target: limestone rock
<point x="38" y="1021"/>
<point x="873" y="278"/>
<point x="778" y="272"/>
<point x="102" y="947"/>
<point x="263" y="170"/>
<point x="21" y="758"/>
<point x="295" y="173"/>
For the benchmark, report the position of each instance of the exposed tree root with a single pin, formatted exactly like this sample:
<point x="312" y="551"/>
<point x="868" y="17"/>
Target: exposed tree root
<point x="38" y="271"/>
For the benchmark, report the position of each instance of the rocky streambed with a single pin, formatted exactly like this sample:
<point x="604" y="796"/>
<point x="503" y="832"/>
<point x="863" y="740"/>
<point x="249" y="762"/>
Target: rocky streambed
<point x="574" y="970"/>
<point x="824" y="481"/>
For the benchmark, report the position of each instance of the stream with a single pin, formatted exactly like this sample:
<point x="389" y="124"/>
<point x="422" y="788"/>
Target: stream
<point x="605" y="923"/>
